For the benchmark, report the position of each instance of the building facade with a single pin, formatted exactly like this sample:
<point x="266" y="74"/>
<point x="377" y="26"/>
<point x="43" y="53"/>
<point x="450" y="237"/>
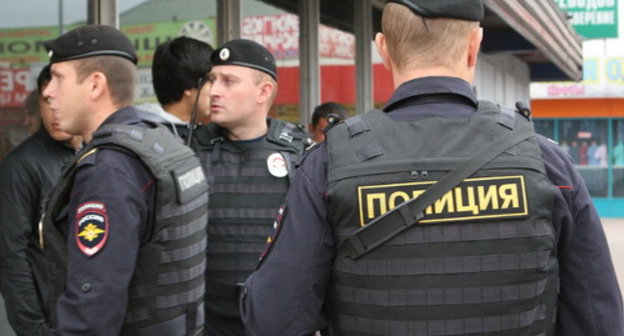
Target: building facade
<point x="323" y="49"/>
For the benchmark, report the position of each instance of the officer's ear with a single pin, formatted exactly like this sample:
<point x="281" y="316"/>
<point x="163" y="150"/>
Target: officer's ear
<point x="382" y="49"/>
<point x="98" y="84"/>
<point x="266" y="89"/>
<point x="476" y="36"/>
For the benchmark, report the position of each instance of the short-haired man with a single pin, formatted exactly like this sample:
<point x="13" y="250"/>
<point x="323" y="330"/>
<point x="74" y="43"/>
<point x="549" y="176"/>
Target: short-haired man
<point x="324" y="115"/>
<point x="32" y="120"/>
<point x="248" y="159"/>
<point x="179" y="75"/>
<point x="440" y="215"/>
<point x="125" y="227"/>
<point x="27" y="175"/>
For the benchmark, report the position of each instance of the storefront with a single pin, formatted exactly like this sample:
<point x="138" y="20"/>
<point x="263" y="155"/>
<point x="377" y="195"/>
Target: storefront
<point x="323" y="48"/>
<point x="587" y="120"/>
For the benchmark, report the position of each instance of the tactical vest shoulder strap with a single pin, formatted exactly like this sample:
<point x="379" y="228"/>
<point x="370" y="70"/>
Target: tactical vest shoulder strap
<point x="159" y="150"/>
<point x="206" y="136"/>
<point x="504" y="115"/>
<point x="409" y="213"/>
<point x="289" y="135"/>
<point x="149" y="144"/>
<point x="293" y="140"/>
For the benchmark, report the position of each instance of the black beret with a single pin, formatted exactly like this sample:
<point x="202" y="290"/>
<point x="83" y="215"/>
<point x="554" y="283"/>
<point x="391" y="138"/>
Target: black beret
<point x="470" y="10"/>
<point x="246" y="53"/>
<point x="89" y="41"/>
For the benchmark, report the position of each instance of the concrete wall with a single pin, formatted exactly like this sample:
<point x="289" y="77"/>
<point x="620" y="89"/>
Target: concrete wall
<point x="503" y="79"/>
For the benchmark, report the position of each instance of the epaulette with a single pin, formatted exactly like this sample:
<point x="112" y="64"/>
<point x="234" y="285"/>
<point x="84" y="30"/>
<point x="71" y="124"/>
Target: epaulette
<point x="332" y="120"/>
<point x="524" y="109"/>
<point x="88" y="154"/>
<point x="207" y="135"/>
<point x="288" y="134"/>
<point x="307" y="153"/>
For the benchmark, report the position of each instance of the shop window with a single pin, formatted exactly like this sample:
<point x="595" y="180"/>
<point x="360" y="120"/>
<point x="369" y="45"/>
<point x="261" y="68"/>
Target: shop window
<point x="586" y="141"/>
<point x="24" y="26"/>
<point x="278" y="31"/>
<point x="617" y="158"/>
<point x="546" y="128"/>
<point x="337" y="61"/>
<point x="148" y="23"/>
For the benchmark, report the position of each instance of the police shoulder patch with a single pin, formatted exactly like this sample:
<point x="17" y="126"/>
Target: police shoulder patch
<point x="91" y="227"/>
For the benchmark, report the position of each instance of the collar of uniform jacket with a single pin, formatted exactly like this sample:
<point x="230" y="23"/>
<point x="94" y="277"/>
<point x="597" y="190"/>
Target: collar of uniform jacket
<point x="127" y="116"/>
<point x="451" y="86"/>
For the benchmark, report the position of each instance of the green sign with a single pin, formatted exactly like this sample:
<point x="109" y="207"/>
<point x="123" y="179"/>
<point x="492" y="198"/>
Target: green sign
<point x="23" y="46"/>
<point x="592" y="19"/>
<point x="146" y="37"/>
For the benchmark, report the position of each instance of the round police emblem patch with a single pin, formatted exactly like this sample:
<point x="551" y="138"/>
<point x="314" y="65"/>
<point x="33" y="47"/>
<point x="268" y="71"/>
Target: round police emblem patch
<point x="277" y="165"/>
<point x="224" y="54"/>
<point x="91" y="227"/>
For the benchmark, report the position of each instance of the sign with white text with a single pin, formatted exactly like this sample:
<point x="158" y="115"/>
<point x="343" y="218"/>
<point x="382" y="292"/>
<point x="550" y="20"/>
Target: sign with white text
<point x="592" y="19"/>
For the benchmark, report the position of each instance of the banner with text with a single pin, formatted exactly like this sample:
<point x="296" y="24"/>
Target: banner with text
<point x="603" y="77"/>
<point x="593" y="19"/>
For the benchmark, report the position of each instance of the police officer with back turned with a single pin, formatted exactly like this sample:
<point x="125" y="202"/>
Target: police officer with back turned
<point x="125" y="227"/>
<point x="439" y="215"/>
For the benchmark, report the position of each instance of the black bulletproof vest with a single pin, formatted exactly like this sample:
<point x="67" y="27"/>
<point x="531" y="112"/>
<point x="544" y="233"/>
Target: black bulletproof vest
<point x="482" y="260"/>
<point x="244" y="201"/>
<point x="167" y="289"/>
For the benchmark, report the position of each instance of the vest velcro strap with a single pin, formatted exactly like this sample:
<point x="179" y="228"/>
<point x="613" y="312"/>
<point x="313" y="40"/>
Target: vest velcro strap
<point x="355" y="245"/>
<point x="215" y="140"/>
<point x="223" y="291"/>
<point x="181" y="275"/>
<point x="180" y="299"/>
<point x="447" y="321"/>
<point x="363" y="240"/>
<point x="507" y="118"/>
<point x="286" y="137"/>
<point x="183" y="253"/>
<point x="369" y="152"/>
<point x="407" y="218"/>
<point x="186" y="230"/>
<point x="356" y="126"/>
<point x="179" y="326"/>
<point x="173" y="210"/>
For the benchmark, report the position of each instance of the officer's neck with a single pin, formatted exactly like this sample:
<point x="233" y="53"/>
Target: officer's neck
<point x="96" y="119"/>
<point x="247" y="131"/>
<point x="400" y="77"/>
<point x="74" y="142"/>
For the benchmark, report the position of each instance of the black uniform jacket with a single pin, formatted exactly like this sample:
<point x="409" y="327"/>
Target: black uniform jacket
<point x="95" y="298"/>
<point x="286" y="293"/>
<point x="26" y="177"/>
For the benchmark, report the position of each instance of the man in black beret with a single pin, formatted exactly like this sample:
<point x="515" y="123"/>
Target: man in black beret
<point x="250" y="159"/>
<point x="122" y="244"/>
<point x="440" y="215"/>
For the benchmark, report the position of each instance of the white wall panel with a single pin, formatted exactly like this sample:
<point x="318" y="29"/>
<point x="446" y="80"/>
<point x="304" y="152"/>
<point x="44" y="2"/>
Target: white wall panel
<point x="503" y="79"/>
